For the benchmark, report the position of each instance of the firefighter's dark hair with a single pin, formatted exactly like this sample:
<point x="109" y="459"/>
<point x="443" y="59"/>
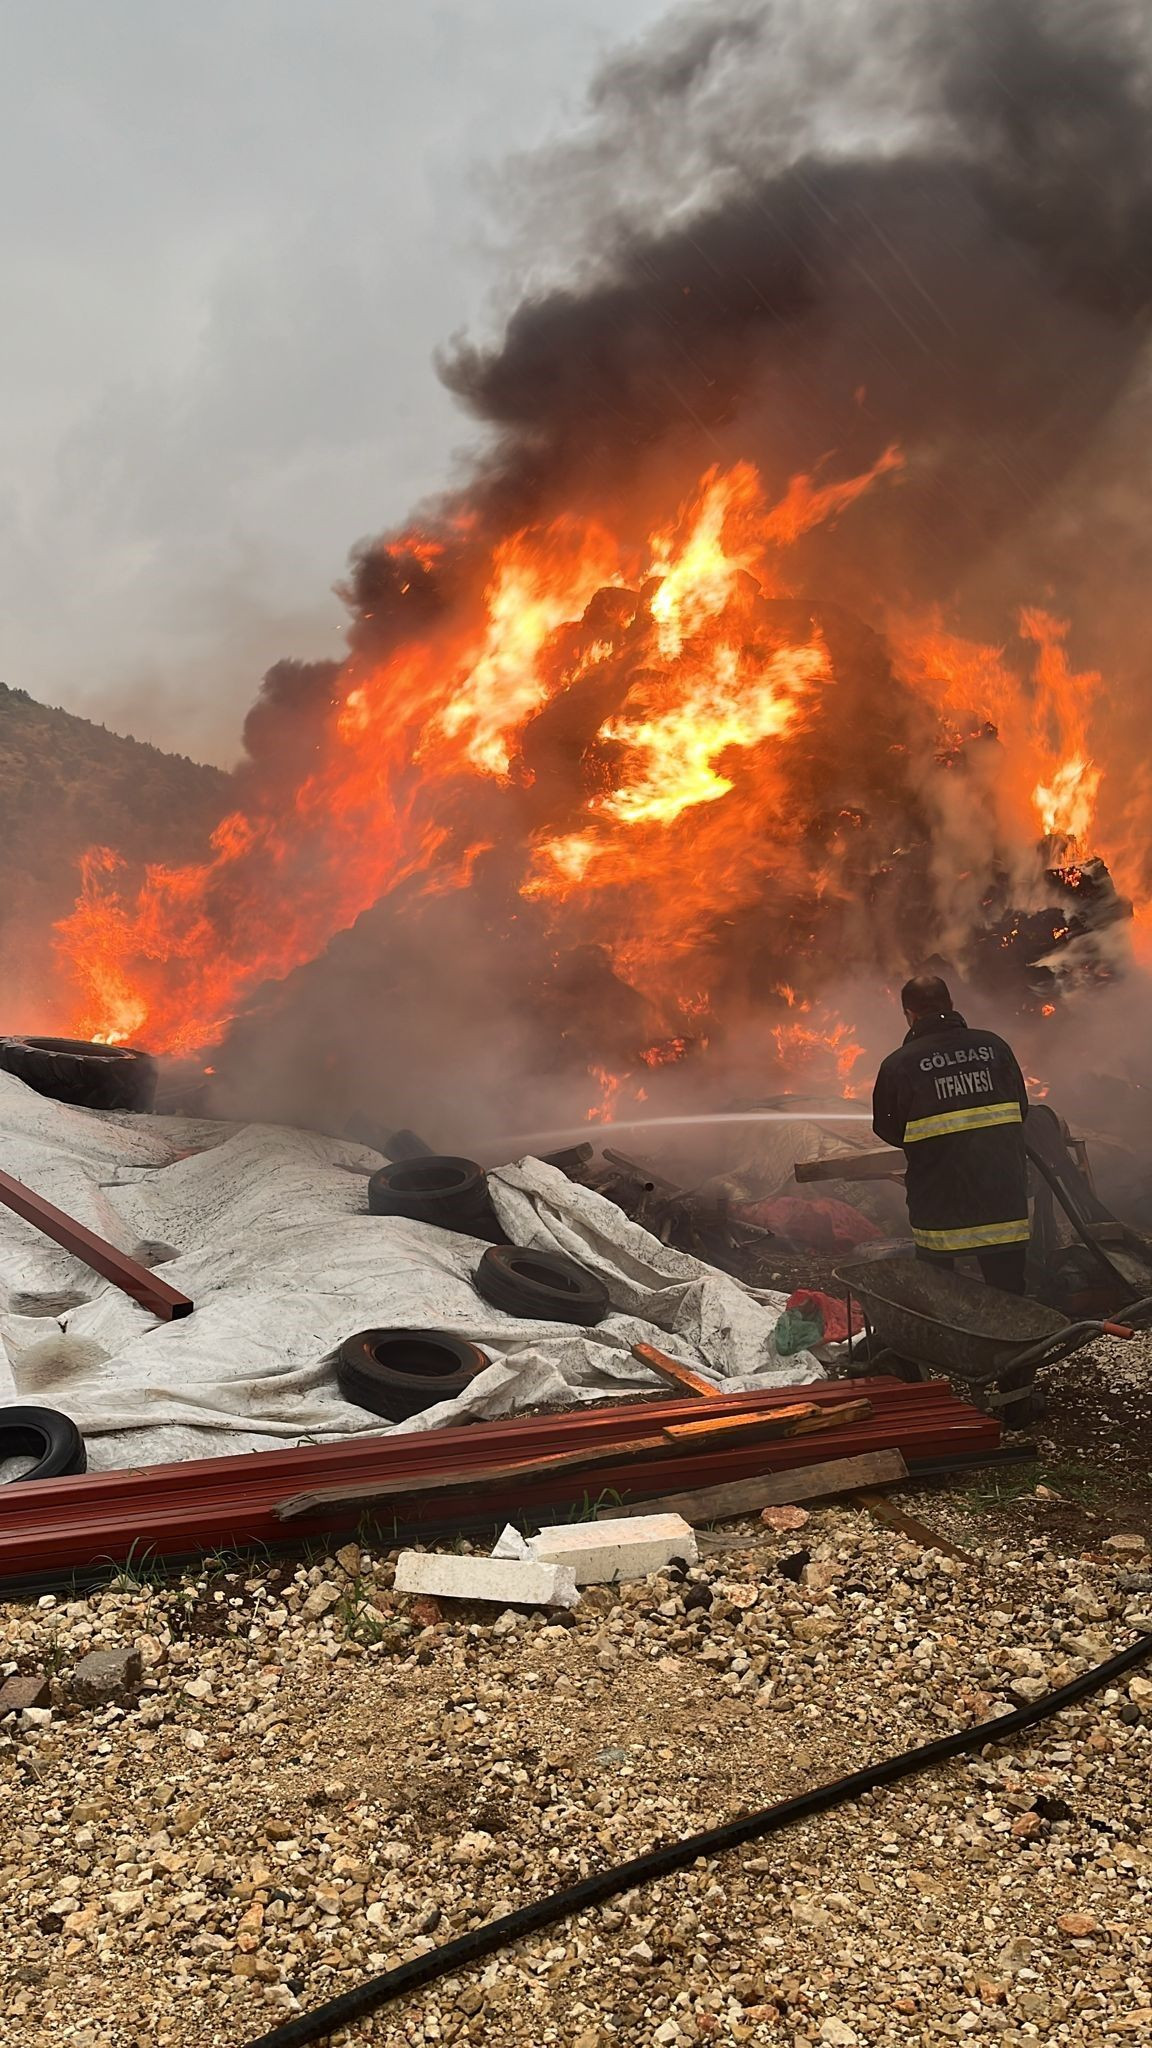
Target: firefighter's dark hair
<point x="926" y="996"/>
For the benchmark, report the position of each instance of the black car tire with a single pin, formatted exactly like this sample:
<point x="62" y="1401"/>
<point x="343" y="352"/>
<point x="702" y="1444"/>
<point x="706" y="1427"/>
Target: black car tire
<point x="397" y="1373"/>
<point x="546" y="1286"/>
<point x="46" y="1435"/>
<point x="78" y="1071"/>
<point x="439" y="1188"/>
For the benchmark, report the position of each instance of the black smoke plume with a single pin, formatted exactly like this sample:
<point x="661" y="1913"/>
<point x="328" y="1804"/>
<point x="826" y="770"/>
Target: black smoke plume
<point x="788" y="234"/>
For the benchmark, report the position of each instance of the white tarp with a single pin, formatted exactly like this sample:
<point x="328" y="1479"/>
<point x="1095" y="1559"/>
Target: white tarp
<point x="272" y="1241"/>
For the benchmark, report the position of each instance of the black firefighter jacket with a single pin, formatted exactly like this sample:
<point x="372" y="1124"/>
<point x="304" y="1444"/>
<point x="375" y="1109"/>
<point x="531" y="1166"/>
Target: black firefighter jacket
<point x="955" y="1099"/>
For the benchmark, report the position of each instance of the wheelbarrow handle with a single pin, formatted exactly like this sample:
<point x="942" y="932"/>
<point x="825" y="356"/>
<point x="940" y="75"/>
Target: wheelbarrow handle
<point x="1052" y="1349"/>
<point x="1049" y="1351"/>
<point x="1060" y="1344"/>
<point x="1134" y="1313"/>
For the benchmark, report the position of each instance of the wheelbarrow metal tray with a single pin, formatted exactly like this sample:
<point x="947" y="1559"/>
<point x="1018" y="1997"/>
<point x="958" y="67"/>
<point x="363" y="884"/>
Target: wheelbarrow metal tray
<point x="937" y="1318"/>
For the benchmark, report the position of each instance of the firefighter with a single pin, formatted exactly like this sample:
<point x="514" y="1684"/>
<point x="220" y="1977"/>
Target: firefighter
<point x="955" y="1100"/>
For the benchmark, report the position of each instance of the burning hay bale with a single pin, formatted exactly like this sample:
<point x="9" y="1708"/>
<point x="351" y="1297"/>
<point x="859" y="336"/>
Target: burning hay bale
<point x="720" y="691"/>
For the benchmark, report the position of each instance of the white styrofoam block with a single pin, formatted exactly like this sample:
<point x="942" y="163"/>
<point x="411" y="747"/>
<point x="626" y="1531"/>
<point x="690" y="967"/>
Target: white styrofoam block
<point x="628" y="1548"/>
<point x="513" y="1582"/>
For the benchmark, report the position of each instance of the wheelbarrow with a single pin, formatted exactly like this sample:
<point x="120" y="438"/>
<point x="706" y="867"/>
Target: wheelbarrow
<point x="924" y="1316"/>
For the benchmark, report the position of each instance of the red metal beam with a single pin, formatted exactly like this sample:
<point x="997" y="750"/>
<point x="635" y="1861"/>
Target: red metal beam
<point x="104" y="1258"/>
<point x="215" y="1503"/>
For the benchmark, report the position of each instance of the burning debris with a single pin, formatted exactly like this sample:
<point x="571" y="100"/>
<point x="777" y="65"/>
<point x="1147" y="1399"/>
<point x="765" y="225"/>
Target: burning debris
<point x="691" y="708"/>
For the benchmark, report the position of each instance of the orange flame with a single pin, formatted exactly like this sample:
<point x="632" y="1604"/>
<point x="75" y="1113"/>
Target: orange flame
<point x="678" y="813"/>
<point x="1043" y="730"/>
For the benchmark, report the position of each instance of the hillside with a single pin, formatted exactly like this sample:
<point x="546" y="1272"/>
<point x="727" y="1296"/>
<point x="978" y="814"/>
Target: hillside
<point x="65" y="785"/>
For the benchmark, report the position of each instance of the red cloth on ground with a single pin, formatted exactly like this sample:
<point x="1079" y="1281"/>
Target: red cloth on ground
<point x="820" y="1226"/>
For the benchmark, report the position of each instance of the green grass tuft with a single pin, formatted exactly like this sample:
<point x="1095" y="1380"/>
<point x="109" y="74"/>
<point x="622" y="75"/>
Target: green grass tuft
<point x="1072" y="1479"/>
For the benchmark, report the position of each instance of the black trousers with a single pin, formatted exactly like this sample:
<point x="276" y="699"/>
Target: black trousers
<point x="1002" y="1267"/>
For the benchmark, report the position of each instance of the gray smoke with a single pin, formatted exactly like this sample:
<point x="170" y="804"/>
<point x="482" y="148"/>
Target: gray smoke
<point x="787" y="234"/>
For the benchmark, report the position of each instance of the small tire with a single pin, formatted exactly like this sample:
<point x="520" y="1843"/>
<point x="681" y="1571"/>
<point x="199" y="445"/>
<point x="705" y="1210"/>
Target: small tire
<point x="81" y="1072"/>
<point x="438" y="1188"/>
<point x="46" y="1435"/>
<point x="545" y="1286"/>
<point x="397" y="1373"/>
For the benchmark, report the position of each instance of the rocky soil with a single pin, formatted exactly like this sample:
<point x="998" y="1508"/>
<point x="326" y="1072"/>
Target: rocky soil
<point x="312" y="1777"/>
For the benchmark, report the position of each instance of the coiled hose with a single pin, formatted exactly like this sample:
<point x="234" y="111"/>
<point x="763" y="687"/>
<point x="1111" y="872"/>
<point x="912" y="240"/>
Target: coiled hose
<point x="655" y="1863"/>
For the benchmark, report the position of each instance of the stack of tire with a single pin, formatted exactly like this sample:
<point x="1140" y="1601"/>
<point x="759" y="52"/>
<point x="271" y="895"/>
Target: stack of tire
<point x="90" y="1076"/>
<point x="79" y="1071"/>
<point x="452" y="1192"/>
<point x="398" y="1373"/>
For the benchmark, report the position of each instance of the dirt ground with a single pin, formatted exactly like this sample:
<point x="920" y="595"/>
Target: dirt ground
<point x="1093" y="1439"/>
<point x="315" y="1778"/>
<point x="319" y="1777"/>
<point x="1092" y="1473"/>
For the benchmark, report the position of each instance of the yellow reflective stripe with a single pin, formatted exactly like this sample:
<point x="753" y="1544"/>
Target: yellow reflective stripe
<point x="977" y="1237"/>
<point x="962" y="1120"/>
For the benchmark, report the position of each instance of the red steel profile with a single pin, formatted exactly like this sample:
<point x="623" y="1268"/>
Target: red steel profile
<point x="218" y="1503"/>
<point x="104" y="1258"/>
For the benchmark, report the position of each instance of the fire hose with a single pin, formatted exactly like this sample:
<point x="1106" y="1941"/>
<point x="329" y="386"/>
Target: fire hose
<point x="451" y="1956"/>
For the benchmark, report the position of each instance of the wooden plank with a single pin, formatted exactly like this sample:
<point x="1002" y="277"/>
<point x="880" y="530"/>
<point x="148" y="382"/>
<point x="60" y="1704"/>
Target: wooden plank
<point x="832" y="1418"/>
<point x="784" y="1422"/>
<point x="804" y="1420"/>
<point x="106" y="1259"/>
<point x="887" y="1164"/>
<point x="773" y="1424"/>
<point x="679" y="1375"/>
<point x="883" y="1510"/>
<point x="445" y="1482"/>
<point x="773" y="1489"/>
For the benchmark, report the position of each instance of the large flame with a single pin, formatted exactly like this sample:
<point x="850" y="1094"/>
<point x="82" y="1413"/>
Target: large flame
<point x="646" y="822"/>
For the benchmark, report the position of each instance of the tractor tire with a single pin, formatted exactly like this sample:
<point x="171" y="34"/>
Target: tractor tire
<point x="75" y="1070"/>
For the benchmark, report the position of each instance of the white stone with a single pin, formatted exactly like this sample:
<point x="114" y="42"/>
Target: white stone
<point x="511" y="1582"/>
<point x="628" y="1547"/>
<point x="319" y="1602"/>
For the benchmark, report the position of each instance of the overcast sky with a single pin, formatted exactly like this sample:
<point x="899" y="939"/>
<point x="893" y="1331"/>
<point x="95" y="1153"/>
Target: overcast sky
<point x="233" y="233"/>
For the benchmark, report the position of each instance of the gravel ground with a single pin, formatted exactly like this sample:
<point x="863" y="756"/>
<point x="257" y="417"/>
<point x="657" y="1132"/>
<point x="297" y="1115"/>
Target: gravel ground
<point x="1094" y="1445"/>
<point x="1099" y="1405"/>
<point x="320" y="1777"/>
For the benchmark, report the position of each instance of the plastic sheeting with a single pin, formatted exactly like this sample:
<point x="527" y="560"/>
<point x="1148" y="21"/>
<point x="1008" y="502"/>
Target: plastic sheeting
<point x="267" y="1229"/>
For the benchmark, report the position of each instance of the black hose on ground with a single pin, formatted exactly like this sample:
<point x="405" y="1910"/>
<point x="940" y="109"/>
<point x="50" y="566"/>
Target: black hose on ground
<point x="655" y="1863"/>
